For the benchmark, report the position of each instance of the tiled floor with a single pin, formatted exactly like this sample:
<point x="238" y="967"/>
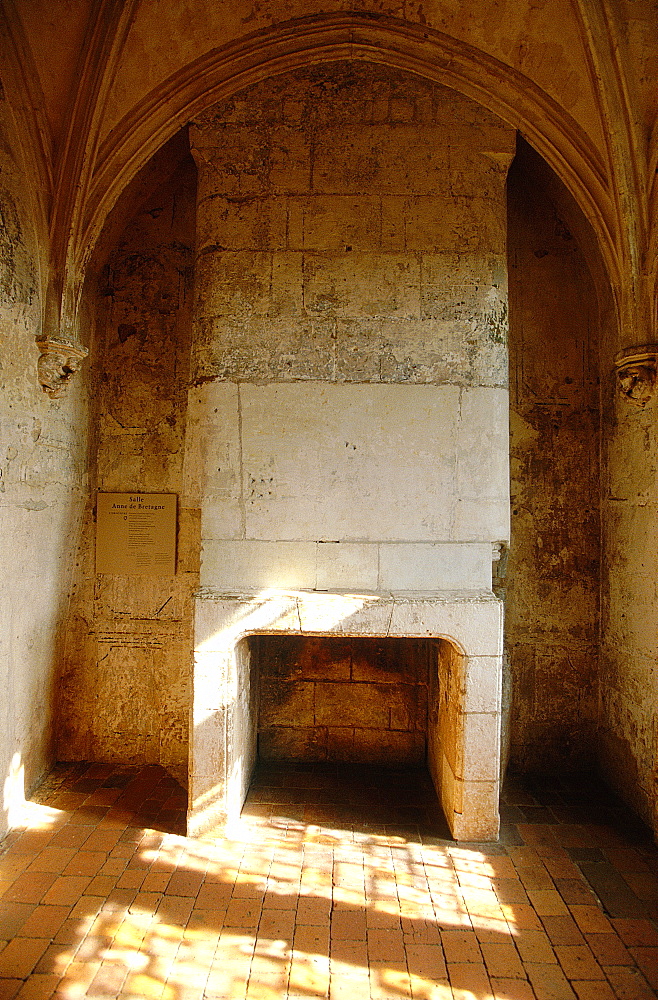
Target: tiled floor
<point x="338" y="882"/>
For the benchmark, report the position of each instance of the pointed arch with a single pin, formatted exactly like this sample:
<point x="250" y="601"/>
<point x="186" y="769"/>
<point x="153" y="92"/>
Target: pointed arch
<point x="412" y="48"/>
<point x="22" y="87"/>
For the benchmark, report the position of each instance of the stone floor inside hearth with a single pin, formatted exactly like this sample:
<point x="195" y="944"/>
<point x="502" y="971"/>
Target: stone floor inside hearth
<point x="338" y="881"/>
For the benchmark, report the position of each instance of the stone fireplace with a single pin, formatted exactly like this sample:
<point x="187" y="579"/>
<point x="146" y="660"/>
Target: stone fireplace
<point x="464" y="677"/>
<point x="347" y="437"/>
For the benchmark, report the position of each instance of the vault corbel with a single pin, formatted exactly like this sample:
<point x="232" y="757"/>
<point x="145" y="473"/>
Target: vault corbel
<point x="59" y="360"/>
<point x="636" y="373"/>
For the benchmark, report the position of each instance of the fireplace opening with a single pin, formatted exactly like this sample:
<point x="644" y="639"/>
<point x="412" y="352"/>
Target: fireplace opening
<point x="359" y="700"/>
<point x="344" y="725"/>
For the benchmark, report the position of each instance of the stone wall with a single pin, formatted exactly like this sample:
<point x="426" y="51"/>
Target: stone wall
<point x="124" y="693"/>
<point x="349" y="428"/>
<point x="42" y="479"/>
<point x="348" y="699"/>
<point x="552" y="606"/>
<point x="628" y="727"/>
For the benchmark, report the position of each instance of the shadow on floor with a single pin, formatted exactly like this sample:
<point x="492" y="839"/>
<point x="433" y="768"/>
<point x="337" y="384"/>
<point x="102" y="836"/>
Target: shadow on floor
<point x="341" y="882"/>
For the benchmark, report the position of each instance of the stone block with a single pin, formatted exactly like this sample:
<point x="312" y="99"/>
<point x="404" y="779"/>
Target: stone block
<point x="475" y="624"/>
<point x="482" y="174"/>
<point x="392" y="221"/>
<point x="462" y="287"/>
<point x="451" y="735"/>
<point x="481" y="520"/>
<point x="451" y="790"/>
<point x="287" y="703"/>
<point x="271" y="611"/>
<point x="137" y="597"/>
<point x="326" y="660"/>
<point x="219" y="623"/>
<point x="208" y="752"/>
<point x="189" y="539"/>
<point x="434" y="762"/>
<point x="229" y="161"/>
<point x="481" y="747"/>
<point x="307" y="657"/>
<point x="483" y="444"/>
<point x="339" y="223"/>
<point x="431" y="567"/>
<point x="476" y="133"/>
<point x="483" y="680"/>
<point x="395" y="350"/>
<point x="257" y="223"/>
<point x="362" y="284"/>
<point x="344" y="614"/>
<point x="268" y="347"/>
<point x="347" y="566"/>
<point x="389" y="661"/>
<point x="211" y="682"/>
<point x="349" y="462"/>
<point x="235" y="283"/>
<point x="373" y="746"/>
<point x="436" y="222"/>
<point x="490" y="366"/>
<point x="221" y="518"/>
<point x="401" y="109"/>
<point x="293" y="743"/>
<point x="212" y="454"/>
<point x="289" y="166"/>
<point x="478" y="818"/>
<point x="207" y="806"/>
<point x="340" y="744"/>
<point x="632" y="481"/>
<point x="354" y="160"/>
<point x="352" y="704"/>
<point x="407" y="707"/>
<point x="174" y="743"/>
<point x="287" y="300"/>
<point x="236" y="566"/>
<point x="126" y="692"/>
<point x="173" y="673"/>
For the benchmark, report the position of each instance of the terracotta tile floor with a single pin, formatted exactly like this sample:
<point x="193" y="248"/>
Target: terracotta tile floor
<point x="338" y="882"/>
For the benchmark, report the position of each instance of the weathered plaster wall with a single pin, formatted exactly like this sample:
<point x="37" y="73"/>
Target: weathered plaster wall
<point x="124" y="690"/>
<point x="628" y="733"/>
<point x="42" y="451"/>
<point x="344" y="699"/>
<point x="349" y="428"/>
<point x="552" y="606"/>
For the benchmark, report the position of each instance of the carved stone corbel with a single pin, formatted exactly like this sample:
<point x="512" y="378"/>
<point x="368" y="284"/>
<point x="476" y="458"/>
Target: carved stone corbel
<point x="636" y="373"/>
<point x="59" y="360"/>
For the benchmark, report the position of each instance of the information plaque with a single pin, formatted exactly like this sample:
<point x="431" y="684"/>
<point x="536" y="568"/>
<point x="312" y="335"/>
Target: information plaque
<point x="136" y="534"/>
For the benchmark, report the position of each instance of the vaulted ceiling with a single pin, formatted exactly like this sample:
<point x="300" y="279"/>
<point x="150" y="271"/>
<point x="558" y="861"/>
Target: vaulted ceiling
<point x="98" y="86"/>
